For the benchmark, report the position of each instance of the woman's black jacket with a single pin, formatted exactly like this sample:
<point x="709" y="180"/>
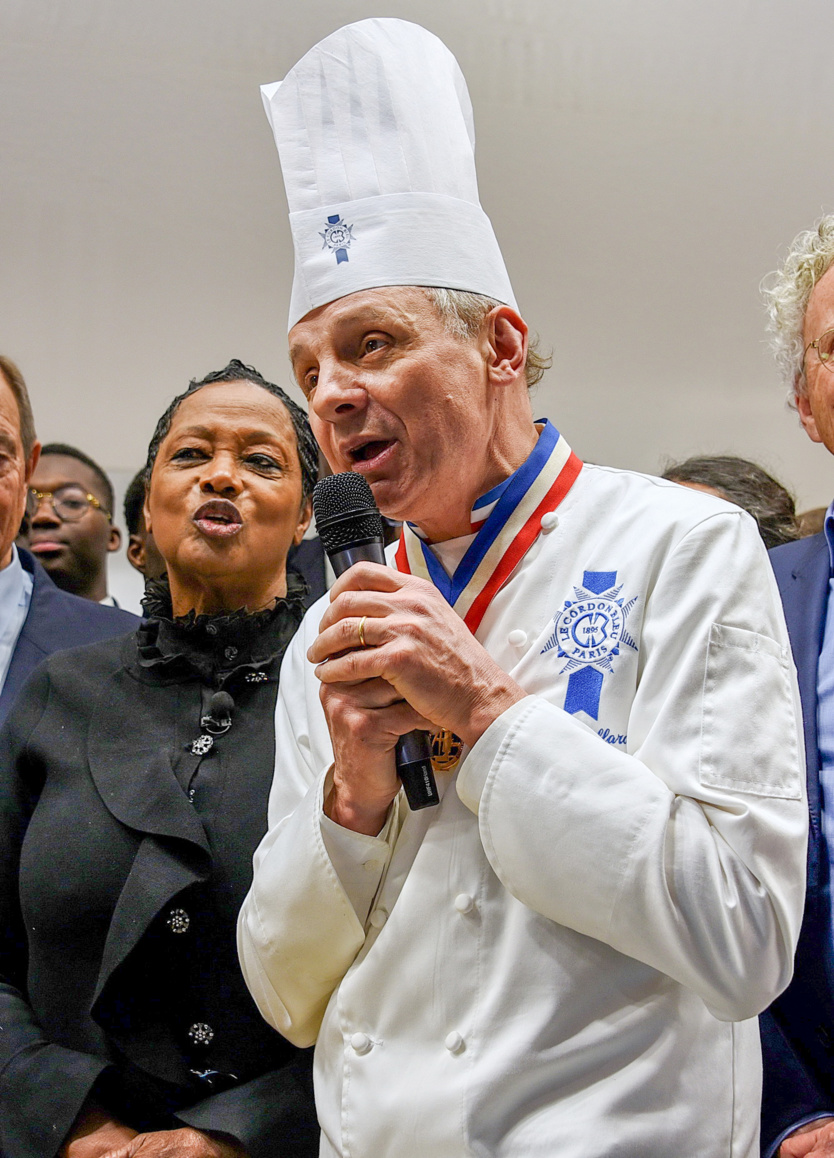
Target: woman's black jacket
<point x="124" y="858"/>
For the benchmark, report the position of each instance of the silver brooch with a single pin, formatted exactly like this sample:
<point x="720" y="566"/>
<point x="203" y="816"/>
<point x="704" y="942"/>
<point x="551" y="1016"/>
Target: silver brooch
<point x="201" y="745"/>
<point x="201" y="1033"/>
<point x="178" y="921"/>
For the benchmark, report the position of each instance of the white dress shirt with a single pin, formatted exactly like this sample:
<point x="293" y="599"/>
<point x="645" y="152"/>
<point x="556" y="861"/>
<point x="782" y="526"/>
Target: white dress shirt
<point x="15" y="597"/>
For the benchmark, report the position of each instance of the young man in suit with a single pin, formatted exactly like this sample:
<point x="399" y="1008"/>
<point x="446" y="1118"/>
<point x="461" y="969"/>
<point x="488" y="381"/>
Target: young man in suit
<point x="71" y="528"/>
<point x="798" y="1030"/>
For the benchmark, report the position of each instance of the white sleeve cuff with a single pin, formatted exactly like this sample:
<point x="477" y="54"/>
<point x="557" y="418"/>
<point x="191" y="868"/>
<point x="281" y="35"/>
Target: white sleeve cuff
<point x="478" y="762"/>
<point x="358" y="860"/>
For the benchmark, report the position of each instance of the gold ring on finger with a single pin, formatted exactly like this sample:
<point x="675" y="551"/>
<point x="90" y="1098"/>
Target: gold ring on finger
<point x="362" y="631"/>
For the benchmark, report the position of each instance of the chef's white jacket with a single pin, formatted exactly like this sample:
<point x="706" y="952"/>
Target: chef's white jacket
<point x="564" y="959"/>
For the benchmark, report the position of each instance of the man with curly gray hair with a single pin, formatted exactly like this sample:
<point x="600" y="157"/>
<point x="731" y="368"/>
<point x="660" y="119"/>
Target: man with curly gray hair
<point x="797" y="296"/>
<point x="798" y="1029"/>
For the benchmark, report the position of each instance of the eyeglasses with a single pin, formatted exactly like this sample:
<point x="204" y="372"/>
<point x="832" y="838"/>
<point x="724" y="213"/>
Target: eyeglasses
<point x="69" y="503"/>
<point x="824" y="346"/>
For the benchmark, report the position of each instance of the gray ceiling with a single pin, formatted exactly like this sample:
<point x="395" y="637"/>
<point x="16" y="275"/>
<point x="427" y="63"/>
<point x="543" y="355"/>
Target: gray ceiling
<point x="644" y="164"/>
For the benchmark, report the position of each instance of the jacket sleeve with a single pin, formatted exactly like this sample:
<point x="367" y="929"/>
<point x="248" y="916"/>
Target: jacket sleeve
<point x="295" y="887"/>
<point x="42" y="1084"/>
<point x="271" y="1114"/>
<point x="686" y="850"/>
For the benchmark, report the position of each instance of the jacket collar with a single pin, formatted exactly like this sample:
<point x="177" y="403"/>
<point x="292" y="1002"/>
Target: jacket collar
<point x="213" y="647"/>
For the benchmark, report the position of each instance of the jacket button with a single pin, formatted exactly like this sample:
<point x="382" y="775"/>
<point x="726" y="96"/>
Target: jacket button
<point x="517" y="638"/>
<point x="824" y="1037"/>
<point x="230" y="652"/>
<point x="454" y="1042"/>
<point x="464" y="903"/>
<point x="200" y="1033"/>
<point x="550" y="521"/>
<point x="178" y="921"/>
<point x="378" y="918"/>
<point x="361" y="1043"/>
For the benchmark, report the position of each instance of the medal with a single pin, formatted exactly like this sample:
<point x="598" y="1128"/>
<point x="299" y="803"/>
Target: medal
<point x="446" y="748"/>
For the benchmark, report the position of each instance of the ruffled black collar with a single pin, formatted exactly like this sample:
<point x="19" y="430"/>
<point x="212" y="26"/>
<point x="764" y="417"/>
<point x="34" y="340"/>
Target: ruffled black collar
<point x="215" y="645"/>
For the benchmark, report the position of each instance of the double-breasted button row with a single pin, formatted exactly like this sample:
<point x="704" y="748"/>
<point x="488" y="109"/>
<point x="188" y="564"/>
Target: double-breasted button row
<point x="463" y="902"/>
<point x="361" y="1043"/>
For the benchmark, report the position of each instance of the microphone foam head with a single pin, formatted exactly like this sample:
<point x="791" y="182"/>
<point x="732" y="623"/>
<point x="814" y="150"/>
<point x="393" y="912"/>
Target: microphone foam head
<point x="345" y="511"/>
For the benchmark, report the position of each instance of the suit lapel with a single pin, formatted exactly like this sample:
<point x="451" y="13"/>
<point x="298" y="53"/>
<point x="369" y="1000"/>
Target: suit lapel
<point x="30" y="648"/>
<point x="137" y="785"/>
<point x="802" y="572"/>
<point x="805" y="598"/>
<point x="139" y="788"/>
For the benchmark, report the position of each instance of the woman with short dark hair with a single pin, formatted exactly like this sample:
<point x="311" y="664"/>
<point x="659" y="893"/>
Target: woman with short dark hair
<point x="134" y="777"/>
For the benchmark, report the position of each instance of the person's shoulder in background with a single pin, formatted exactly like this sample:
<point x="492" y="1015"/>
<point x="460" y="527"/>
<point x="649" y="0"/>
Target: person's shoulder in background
<point x="61" y="619"/>
<point x="54" y="622"/>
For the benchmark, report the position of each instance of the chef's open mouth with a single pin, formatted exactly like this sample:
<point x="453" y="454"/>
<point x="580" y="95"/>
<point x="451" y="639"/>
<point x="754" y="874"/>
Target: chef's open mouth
<point x="369" y="450"/>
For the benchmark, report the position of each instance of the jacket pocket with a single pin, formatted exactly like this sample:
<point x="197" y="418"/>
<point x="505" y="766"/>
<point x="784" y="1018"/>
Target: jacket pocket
<point x="748" y="722"/>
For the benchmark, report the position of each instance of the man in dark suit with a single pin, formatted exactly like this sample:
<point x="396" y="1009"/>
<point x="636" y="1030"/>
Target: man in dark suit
<point x="36" y="618"/>
<point x="798" y="1030"/>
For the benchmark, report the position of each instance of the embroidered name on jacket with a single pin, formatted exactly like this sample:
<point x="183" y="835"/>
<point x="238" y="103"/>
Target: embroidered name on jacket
<point x="588" y="632"/>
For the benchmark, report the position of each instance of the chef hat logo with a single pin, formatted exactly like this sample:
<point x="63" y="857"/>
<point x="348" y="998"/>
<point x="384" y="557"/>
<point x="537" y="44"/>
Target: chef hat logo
<point x="376" y="137"/>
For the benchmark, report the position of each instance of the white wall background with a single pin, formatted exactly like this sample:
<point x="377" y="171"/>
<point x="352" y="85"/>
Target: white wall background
<point x="645" y="164"/>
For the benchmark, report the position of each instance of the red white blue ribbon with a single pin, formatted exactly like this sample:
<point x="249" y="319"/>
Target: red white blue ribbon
<point x="507" y="520"/>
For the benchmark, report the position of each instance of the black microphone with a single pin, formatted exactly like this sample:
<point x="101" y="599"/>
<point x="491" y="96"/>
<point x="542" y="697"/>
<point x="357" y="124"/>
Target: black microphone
<point x="350" y="528"/>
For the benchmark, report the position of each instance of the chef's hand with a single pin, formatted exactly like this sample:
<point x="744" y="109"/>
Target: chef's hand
<point x="94" y="1133"/>
<point x="183" y="1143"/>
<point x="420" y="667"/>
<point x="814" y="1140"/>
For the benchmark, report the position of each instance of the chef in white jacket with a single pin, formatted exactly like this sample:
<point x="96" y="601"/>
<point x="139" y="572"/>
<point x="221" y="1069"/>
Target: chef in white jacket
<point x="566" y="957"/>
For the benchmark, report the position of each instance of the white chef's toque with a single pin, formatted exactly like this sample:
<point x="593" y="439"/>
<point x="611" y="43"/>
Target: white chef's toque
<point x="375" y="133"/>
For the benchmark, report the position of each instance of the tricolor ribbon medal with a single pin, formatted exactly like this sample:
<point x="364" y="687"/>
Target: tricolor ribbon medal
<point x="506" y="521"/>
<point x="589" y="632"/>
<point x="337" y="237"/>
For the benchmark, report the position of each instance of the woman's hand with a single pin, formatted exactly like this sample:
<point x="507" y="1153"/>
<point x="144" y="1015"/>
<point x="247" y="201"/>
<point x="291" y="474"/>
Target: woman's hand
<point x="184" y="1143"/>
<point x="814" y="1140"/>
<point x="95" y="1134"/>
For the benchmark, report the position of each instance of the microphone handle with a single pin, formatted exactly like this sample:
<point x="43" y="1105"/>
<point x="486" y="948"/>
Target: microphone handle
<point x="413" y="751"/>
